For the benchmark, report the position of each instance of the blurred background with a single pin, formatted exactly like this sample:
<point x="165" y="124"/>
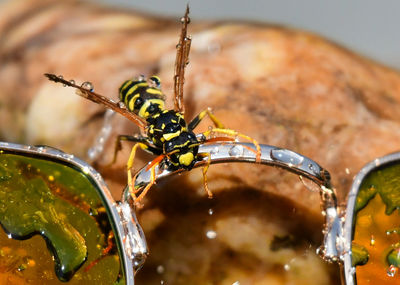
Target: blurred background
<point x="366" y="26"/>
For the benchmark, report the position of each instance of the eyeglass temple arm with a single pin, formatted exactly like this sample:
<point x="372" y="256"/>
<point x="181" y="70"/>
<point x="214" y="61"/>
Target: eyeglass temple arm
<point x="272" y="156"/>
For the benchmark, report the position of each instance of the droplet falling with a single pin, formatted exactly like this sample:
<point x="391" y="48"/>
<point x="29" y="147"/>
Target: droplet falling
<point x="160" y="269"/>
<point x="286" y="267"/>
<point x="211" y="234"/>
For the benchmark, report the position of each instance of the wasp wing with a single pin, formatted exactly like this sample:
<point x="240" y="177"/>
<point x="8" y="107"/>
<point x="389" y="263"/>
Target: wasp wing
<point x="182" y="59"/>
<point x="99" y="99"/>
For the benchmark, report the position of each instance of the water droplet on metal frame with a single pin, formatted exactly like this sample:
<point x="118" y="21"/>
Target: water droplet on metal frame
<point x="236" y="151"/>
<point x="215" y="150"/>
<point x="287" y="156"/>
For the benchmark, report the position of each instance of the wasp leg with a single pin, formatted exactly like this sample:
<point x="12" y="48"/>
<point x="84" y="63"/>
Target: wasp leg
<point x="148" y="186"/>
<point x="196" y="120"/>
<point x="118" y="145"/>
<point x="235" y="134"/>
<point x="145" y="146"/>
<point x="205" y="169"/>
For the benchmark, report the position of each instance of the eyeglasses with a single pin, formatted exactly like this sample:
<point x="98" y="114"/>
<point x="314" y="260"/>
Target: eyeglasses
<point x="93" y="239"/>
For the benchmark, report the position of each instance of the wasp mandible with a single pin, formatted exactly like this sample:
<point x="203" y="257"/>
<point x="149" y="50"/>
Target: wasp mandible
<point x="164" y="132"/>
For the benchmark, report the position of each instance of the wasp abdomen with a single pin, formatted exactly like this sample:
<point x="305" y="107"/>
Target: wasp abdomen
<point x="138" y="96"/>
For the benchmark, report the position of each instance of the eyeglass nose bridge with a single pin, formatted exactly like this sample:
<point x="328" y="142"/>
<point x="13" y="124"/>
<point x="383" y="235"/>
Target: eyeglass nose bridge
<point x="133" y="236"/>
<point x="332" y="248"/>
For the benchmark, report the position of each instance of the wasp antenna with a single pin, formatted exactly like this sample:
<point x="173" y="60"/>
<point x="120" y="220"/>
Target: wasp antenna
<point x="186" y="17"/>
<point x="182" y="59"/>
<point x="53" y="77"/>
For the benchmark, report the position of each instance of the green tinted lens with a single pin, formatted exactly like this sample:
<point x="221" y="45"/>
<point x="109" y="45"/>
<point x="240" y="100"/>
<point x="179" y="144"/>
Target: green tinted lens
<point x="376" y="240"/>
<point x="56" y="227"/>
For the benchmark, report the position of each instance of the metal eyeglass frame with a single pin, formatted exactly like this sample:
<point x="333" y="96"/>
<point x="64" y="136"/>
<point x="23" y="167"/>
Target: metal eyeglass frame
<point x="130" y="237"/>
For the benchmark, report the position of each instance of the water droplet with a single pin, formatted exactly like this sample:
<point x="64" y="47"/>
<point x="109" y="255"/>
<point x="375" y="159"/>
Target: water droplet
<point x="286" y="267"/>
<point x="310" y="185"/>
<point x="183" y="19"/>
<point x="215" y="150"/>
<point x="392" y="271"/>
<point x="141" y="77"/>
<point x="236" y="283"/>
<point x="87" y="85"/>
<point x="347" y="170"/>
<point x="211" y="234"/>
<point x="162" y="282"/>
<point x="85" y="170"/>
<point x="60" y="76"/>
<point x="72" y="81"/>
<point x="372" y="241"/>
<point x="287" y="157"/>
<point x="311" y="167"/>
<point x="210" y="211"/>
<point x="40" y="149"/>
<point x="160" y="269"/>
<point x="236" y="151"/>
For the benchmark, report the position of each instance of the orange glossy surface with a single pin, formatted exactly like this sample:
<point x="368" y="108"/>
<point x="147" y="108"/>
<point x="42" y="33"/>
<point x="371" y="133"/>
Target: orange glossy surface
<point x="371" y="226"/>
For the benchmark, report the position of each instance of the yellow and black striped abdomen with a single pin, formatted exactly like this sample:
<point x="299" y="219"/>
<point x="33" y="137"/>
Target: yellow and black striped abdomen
<point x="138" y="95"/>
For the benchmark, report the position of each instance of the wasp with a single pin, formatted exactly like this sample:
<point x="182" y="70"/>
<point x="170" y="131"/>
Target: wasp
<point x="164" y="132"/>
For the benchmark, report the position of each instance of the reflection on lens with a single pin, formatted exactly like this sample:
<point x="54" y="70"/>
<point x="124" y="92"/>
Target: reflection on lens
<point x="55" y="227"/>
<point x="376" y="243"/>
